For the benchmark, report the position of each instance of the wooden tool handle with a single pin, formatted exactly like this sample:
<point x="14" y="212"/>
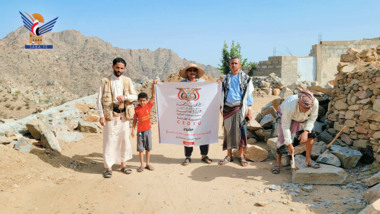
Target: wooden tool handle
<point x="336" y="137"/>
<point x="293" y="163"/>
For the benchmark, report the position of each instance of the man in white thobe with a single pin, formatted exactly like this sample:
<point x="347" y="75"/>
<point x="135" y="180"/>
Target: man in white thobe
<point x="115" y="107"/>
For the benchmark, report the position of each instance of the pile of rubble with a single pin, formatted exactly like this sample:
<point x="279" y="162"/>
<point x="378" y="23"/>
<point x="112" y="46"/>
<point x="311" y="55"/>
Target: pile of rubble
<point x="354" y="103"/>
<point x="54" y="127"/>
<point x="356" y="100"/>
<point x="269" y="85"/>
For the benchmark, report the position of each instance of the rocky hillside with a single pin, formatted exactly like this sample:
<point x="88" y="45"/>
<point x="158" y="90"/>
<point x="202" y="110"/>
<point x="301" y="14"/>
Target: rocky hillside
<point x="72" y="69"/>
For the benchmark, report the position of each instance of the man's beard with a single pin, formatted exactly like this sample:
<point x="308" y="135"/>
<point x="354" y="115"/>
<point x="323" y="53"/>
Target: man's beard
<point x="117" y="74"/>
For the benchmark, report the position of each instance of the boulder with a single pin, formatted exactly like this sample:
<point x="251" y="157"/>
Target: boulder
<point x="41" y="131"/>
<point x="271" y="110"/>
<point x="374" y="179"/>
<point x="349" y="57"/>
<point x="272" y="143"/>
<point x="87" y="127"/>
<point x="350" y="123"/>
<point x="373" y="208"/>
<point x="93" y="118"/>
<point x="48" y="140"/>
<point x="361" y="143"/>
<point x="348" y="157"/>
<point x="325" y="175"/>
<point x="276" y="103"/>
<point x="346" y="138"/>
<point x="341" y="104"/>
<point x="267" y="121"/>
<point x="36" y="128"/>
<point x="5" y="140"/>
<point x="318" y="148"/>
<point x="23" y="144"/>
<point x="251" y="141"/>
<point x="285" y="93"/>
<point x="253" y="125"/>
<point x="372" y="194"/>
<point x="300" y="162"/>
<point x="253" y="153"/>
<point x="318" y="126"/>
<point x="376" y="135"/>
<point x="264" y="134"/>
<point x="328" y="158"/>
<point x="325" y="136"/>
<point x="376" y="105"/>
<point x="268" y="91"/>
<point x="300" y="149"/>
<point x="370" y="115"/>
<point x="276" y="91"/>
<point x="68" y="137"/>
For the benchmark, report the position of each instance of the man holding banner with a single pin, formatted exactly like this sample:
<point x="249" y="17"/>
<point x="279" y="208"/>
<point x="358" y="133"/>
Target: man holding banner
<point x="237" y="101"/>
<point x="188" y="112"/>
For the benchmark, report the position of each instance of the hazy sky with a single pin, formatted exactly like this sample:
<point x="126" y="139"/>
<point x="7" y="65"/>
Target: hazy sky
<point x="196" y="30"/>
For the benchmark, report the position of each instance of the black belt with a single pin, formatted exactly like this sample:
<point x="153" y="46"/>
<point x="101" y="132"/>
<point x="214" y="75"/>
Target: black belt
<point x="117" y="110"/>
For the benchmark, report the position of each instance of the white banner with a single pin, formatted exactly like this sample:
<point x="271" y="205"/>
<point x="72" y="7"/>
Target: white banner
<point x="188" y="112"/>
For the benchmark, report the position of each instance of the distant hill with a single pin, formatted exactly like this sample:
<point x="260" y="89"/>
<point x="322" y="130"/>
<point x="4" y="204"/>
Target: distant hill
<point x="75" y="66"/>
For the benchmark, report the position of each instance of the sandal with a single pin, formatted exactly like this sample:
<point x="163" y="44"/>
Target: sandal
<point x="149" y="167"/>
<point x="243" y="162"/>
<point x="186" y="162"/>
<point x="313" y="164"/>
<point x="206" y="159"/>
<point x="226" y="160"/>
<point x="126" y="170"/>
<point x="140" y="169"/>
<point x="107" y="174"/>
<point x="276" y="170"/>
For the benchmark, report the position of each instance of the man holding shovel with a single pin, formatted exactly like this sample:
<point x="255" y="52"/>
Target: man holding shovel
<point x="297" y="116"/>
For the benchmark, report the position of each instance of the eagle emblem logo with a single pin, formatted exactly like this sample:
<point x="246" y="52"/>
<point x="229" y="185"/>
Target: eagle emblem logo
<point x="188" y="94"/>
<point x="33" y="25"/>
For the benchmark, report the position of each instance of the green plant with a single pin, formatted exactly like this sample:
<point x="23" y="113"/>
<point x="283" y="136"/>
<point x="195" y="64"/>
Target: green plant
<point x="11" y="108"/>
<point x="7" y="105"/>
<point x="235" y="51"/>
<point x="19" y="108"/>
<point x="251" y="67"/>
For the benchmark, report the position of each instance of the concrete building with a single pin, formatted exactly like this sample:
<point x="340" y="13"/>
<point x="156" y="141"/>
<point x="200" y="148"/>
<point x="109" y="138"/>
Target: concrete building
<point x="320" y="65"/>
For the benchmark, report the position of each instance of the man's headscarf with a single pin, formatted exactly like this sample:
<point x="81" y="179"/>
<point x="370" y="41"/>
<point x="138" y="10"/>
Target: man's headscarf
<point x="306" y="99"/>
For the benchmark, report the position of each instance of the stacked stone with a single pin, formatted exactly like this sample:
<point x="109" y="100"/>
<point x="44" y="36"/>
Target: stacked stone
<point x="271" y="84"/>
<point x="356" y="100"/>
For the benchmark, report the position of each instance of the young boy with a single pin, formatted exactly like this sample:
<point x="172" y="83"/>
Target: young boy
<point x="144" y="135"/>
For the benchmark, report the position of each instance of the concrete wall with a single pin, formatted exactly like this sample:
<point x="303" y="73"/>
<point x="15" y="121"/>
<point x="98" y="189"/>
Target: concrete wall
<point x="289" y="69"/>
<point x="328" y="55"/>
<point x="272" y="65"/>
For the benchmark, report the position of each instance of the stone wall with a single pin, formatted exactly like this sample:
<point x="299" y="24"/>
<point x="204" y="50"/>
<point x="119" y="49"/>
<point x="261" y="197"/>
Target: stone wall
<point x="328" y="55"/>
<point x="272" y="65"/>
<point x="285" y="67"/>
<point x="356" y="100"/>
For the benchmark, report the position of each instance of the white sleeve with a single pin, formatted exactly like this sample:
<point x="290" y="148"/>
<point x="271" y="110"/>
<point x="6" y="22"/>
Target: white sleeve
<point x="99" y="101"/>
<point x="133" y="96"/>
<point x="286" y="120"/>
<point x="313" y="116"/>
